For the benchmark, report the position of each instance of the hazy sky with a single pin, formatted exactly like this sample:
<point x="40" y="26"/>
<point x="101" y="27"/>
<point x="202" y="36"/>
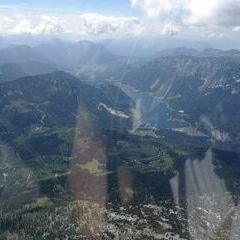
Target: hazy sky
<point x="122" y="7"/>
<point x="209" y="20"/>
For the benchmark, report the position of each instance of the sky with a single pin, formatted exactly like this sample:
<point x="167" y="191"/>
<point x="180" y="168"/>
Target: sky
<point x="116" y="7"/>
<point x="208" y="20"/>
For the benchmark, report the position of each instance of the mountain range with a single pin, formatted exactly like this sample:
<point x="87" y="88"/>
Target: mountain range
<point x="210" y="78"/>
<point x="85" y="130"/>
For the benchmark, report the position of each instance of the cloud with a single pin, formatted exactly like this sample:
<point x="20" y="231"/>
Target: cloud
<point x="160" y="17"/>
<point x="48" y="25"/>
<point x="192" y="12"/>
<point x="158" y="8"/>
<point x="85" y="24"/>
<point x="6" y="23"/>
<point x="96" y="24"/>
<point x="21" y="24"/>
<point x="236" y="29"/>
<point x="170" y="29"/>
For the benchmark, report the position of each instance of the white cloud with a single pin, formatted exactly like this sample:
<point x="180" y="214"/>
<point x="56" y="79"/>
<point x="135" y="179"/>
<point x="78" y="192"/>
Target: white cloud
<point x="6" y="23"/>
<point x="84" y="24"/>
<point x="192" y="12"/>
<point x="21" y="24"/>
<point x="170" y="29"/>
<point x="236" y="29"/>
<point x="95" y="24"/>
<point x="158" y="8"/>
<point x="216" y="35"/>
<point x="49" y="25"/>
<point x="161" y="17"/>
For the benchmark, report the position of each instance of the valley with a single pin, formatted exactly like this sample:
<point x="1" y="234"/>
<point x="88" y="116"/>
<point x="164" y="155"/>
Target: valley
<point x="150" y="152"/>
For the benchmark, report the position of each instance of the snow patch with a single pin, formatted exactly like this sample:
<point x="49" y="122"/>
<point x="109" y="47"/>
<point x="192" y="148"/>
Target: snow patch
<point x="113" y="111"/>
